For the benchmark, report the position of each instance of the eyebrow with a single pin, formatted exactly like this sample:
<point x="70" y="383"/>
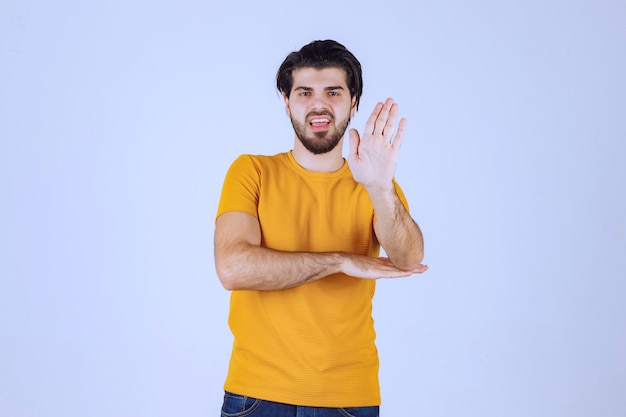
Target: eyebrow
<point x="330" y="88"/>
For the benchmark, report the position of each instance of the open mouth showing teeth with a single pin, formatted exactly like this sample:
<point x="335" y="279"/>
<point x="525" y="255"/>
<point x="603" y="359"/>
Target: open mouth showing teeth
<point x="319" y="123"/>
<point x="320" y="120"/>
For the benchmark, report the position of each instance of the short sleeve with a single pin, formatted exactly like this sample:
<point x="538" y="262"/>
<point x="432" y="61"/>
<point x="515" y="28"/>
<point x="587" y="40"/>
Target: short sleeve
<point x="240" y="191"/>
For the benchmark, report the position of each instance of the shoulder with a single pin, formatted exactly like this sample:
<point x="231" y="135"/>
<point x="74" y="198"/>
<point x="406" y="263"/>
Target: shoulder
<point x="261" y="161"/>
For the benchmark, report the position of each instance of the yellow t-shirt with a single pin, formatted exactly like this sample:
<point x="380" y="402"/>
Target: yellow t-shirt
<point x="311" y="345"/>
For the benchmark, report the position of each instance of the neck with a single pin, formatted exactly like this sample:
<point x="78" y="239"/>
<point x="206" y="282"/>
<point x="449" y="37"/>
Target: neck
<point x="326" y="162"/>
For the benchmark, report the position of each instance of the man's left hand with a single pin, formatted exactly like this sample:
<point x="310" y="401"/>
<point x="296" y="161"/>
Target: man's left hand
<point x="373" y="158"/>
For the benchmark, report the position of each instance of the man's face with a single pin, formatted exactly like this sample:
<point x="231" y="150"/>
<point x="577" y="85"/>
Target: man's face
<point x="320" y="107"/>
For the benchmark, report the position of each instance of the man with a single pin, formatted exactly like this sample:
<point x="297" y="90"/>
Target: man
<point x="297" y="241"/>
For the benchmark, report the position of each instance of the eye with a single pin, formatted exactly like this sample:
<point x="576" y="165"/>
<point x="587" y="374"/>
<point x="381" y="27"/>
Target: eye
<point x="304" y="93"/>
<point x="333" y="93"/>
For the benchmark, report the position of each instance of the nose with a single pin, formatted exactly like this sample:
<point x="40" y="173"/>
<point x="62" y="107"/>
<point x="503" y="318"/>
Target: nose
<point x="319" y="102"/>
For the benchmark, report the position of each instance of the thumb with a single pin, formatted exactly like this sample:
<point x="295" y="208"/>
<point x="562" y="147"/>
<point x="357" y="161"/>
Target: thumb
<point x="355" y="139"/>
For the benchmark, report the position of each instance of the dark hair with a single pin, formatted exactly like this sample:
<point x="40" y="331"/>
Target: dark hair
<point x="320" y="55"/>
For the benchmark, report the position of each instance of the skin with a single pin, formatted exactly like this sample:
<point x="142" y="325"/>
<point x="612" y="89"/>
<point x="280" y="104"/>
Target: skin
<point x="243" y="264"/>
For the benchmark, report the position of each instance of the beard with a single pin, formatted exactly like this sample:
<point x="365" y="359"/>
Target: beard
<point x="320" y="142"/>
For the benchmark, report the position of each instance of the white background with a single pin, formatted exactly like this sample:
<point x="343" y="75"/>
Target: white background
<point x="118" y="120"/>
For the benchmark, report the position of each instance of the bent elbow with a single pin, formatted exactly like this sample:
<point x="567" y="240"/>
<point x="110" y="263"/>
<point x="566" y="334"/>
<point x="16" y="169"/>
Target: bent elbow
<point x="227" y="276"/>
<point x="411" y="262"/>
<point x="419" y="258"/>
<point x="228" y="285"/>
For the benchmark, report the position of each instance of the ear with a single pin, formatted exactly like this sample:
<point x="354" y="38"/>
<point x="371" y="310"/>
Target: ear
<point x="286" y="100"/>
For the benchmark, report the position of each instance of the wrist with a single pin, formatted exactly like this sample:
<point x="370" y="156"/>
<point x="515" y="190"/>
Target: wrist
<point x="381" y="192"/>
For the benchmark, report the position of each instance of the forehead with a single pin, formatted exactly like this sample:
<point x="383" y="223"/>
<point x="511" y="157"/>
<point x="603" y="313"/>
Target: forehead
<point x="312" y="77"/>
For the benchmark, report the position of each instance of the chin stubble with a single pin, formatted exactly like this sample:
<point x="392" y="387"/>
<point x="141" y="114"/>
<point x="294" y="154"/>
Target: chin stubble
<point x="323" y="142"/>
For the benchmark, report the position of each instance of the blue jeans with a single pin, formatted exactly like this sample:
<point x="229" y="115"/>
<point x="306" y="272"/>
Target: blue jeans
<point x="240" y="406"/>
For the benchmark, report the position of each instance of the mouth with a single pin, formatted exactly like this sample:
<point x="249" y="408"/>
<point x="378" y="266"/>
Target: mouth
<point x="319" y="123"/>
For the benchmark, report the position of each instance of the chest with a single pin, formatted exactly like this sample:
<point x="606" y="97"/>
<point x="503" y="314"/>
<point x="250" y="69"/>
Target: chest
<point x="309" y="215"/>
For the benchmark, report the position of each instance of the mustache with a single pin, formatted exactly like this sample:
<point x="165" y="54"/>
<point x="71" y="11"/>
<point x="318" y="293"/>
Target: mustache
<point x="320" y="113"/>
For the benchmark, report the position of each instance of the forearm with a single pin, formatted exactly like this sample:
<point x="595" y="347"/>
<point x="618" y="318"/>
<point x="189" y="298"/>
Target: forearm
<point x="253" y="267"/>
<point x="250" y="267"/>
<point x="243" y="264"/>
<point x="396" y="231"/>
